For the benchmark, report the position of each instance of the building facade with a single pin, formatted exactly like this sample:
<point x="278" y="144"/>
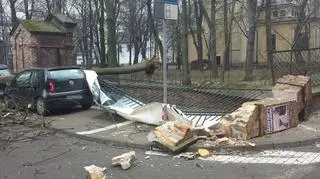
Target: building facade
<point x="43" y="43"/>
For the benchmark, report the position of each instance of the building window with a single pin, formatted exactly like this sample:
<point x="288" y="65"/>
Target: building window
<point x="293" y="13"/>
<point x="275" y="13"/>
<point x="283" y="13"/>
<point x="274" y="42"/>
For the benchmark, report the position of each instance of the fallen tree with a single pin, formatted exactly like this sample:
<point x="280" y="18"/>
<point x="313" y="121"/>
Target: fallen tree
<point x="148" y="66"/>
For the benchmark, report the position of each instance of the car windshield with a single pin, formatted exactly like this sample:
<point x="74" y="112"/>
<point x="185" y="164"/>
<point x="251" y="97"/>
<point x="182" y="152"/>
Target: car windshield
<point x="4" y="72"/>
<point x="66" y="74"/>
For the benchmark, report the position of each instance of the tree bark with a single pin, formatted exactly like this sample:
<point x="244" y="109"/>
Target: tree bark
<point x="198" y="8"/>
<point x="269" y="39"/>
<point x="111" y="7"/>
<point x="102" y="35"/>
<point x="252" y="10"/>
<point x="155" y="32"/>
<point x="148" y="66"/>
<point x="185" y="61"/>
<point x="14" y="18"/>
<point x="212" y="44"/>
<point x="91" y="30"/>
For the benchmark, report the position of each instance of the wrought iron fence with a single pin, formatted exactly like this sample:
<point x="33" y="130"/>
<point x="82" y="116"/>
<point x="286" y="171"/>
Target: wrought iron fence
<point x="298" y="62"/>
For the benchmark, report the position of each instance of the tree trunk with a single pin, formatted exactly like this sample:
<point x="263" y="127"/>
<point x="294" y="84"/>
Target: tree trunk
<point x="144" y="46"/>
<point x="269" y="39"/>
<point x="102" y="35"/>
<point x="198" y="7"/>
<point x="136" y="52"/>
<point x="227" y="27"/>
<point x="97" y="50"/>
<point x="297" y="40"/>
<point x="155" y="32"/>
<point x="212" y="44"/>
<point x="85" y="32"/>
<point x="252" y="9"/>
<point x="112" y="36"/>
<point x="130" y="54"/>
<point x="91" y="30"/>
<point x="185" y="61"/>
<point x="148" y="67"/>
<point x="57" y="6"/>
<point x="14" y="18"/>
<point x="178" y="41"/>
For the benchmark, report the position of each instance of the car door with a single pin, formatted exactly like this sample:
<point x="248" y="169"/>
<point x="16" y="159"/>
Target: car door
<point x="20" y="88"/>
<point x="36" y="84"/>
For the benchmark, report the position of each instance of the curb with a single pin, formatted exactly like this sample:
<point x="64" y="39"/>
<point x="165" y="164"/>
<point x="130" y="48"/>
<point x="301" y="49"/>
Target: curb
<point x="267" y="146"/>
<point x="101" y="141"/>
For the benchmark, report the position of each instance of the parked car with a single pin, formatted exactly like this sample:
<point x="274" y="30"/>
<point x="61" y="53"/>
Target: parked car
<point x="4" y="72"/>
<point x="47" y="89"/>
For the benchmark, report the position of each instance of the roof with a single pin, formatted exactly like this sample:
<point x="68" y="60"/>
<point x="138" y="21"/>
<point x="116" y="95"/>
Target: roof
<point x="63" y="18"/>
<point x="40" y="26"/>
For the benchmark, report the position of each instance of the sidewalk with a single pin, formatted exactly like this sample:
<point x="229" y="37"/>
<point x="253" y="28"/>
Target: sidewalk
<point x="95" y="125"/>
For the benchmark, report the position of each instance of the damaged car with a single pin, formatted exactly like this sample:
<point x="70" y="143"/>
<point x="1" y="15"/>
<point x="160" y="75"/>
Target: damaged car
<point x="48" y="89"/>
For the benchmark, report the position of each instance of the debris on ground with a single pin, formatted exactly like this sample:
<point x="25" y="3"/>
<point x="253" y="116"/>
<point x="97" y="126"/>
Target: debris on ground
<point x="95" y="172"/>
<point x="155" y="153"/>
<point x="187" y="156"/>
<point x="204" y="153"/>
<point x="174" y="136"/>
<point x="199" y="165"/>
<point x="124" y="160"/>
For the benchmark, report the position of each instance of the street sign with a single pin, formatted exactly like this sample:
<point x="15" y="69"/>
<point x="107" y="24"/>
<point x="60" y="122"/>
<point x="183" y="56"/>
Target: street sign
<point x="169" y="1"/>
<point x="166" y="10"/>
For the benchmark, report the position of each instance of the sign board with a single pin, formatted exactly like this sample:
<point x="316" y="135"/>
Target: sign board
<point x="277" y="118"/>
<point x="166" y="10"/>
<point x="168" y="1"/>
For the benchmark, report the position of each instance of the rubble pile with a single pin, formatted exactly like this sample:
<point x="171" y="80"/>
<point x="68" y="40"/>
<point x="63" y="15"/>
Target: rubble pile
<point x="290" y="102"/>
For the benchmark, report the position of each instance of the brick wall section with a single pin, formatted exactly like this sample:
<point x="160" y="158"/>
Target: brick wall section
<point x="40" y="50"/>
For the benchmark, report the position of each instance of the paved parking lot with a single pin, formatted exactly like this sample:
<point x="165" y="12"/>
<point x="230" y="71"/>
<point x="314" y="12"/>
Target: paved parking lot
<point x="94" y="124"/>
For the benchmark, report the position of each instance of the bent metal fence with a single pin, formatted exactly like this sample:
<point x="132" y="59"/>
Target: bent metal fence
<point x="200" y="104"/>
<point x="298" y="62"/>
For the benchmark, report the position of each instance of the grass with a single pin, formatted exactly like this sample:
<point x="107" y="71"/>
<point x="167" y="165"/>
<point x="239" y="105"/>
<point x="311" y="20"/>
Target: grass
<point x="233" y="78"/>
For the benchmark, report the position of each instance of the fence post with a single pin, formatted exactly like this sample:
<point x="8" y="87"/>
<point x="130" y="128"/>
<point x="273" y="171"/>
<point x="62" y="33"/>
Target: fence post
<point x="290" y="66"/>
<point x="271" y="65"/>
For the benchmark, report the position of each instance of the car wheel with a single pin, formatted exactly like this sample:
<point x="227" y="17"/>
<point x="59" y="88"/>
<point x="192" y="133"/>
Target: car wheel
<point x="41" y="107"/>
<point x="86" y="105"/>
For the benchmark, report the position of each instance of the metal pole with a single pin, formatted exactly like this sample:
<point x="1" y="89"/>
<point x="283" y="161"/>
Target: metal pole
<point x="164" y="63"/>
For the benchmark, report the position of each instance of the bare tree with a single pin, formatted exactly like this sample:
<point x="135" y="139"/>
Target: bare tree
<point x="26" y="8"/>
<point x="252" y="15"/>
<point x="198" y="9"/>
<point x="14" y="18"/>
<point x="185" y="61"/>
<point x="101" y="17"/>
<point x="269" y="39"/>
<point x="154" y="29"/>
<point x="227" y="27"/>
<point x="212" y="43"/>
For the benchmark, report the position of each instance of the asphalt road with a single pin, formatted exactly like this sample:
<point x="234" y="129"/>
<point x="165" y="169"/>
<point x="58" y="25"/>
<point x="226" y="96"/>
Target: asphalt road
<point x="30" y="156"/>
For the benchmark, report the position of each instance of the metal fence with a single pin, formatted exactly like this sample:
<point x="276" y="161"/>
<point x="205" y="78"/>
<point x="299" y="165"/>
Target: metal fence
<point x="298" y="62"/>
